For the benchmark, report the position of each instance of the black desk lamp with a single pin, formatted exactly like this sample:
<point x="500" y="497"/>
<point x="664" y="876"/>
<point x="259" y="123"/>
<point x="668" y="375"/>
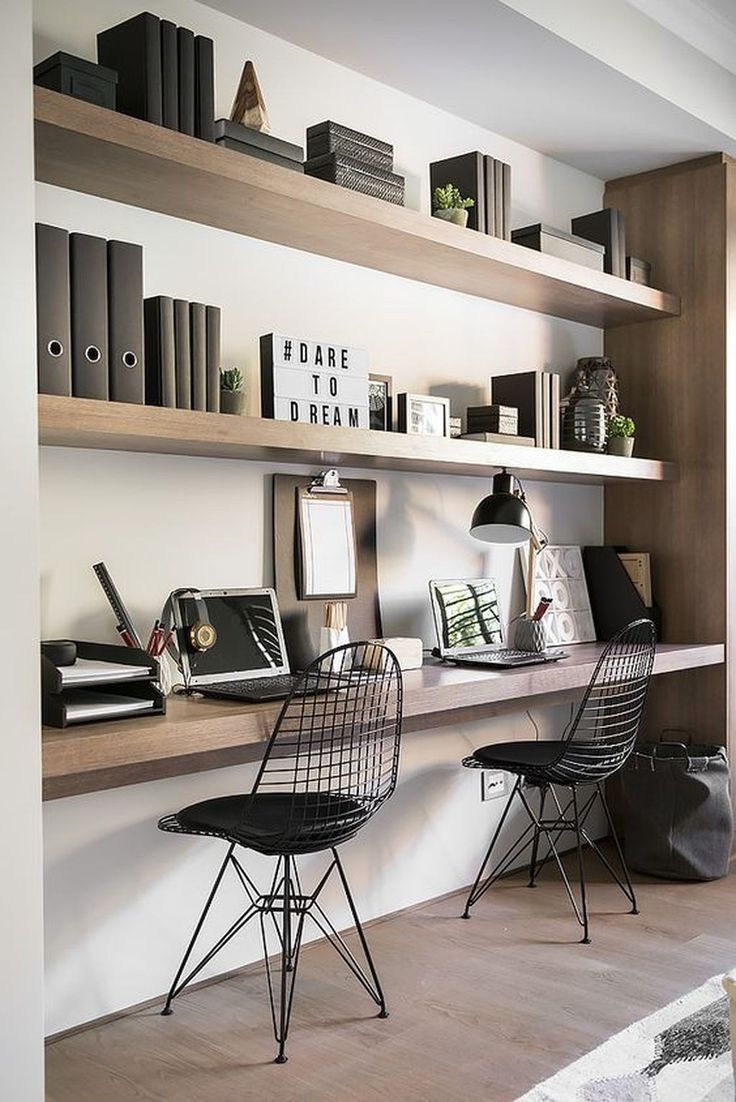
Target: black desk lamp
<point x="504" y="517"/>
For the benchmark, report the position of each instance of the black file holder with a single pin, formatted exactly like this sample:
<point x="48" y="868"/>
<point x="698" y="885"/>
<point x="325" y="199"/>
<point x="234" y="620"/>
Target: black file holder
<point x="54" y="694"/>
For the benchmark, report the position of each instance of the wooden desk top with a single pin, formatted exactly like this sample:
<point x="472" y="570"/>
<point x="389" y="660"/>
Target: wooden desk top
<point x="199" y="734"/>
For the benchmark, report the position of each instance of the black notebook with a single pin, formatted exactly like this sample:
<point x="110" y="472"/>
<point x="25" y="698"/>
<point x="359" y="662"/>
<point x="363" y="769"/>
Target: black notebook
<point x="204" y="88"/>
<point x="52" y="311"/>
<point x="169" y="75"/>
<point x="160" y="351"/>
<point x="186" y="80"/>
<point x="133" y="50"/>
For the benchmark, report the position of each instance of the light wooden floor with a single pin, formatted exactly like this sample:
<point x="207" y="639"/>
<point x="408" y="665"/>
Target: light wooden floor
<point x="479" y="1010"/>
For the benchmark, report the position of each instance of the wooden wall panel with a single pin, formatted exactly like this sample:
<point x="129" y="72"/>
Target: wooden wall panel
<point x="673" y="382"/>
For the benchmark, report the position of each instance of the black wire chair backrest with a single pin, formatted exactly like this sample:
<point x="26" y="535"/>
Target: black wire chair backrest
<point x="333" y="757"/>
<point x="603" y="732"/>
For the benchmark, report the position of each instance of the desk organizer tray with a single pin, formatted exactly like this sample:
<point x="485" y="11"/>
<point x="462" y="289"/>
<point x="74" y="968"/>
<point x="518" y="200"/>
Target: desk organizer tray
<point x="348" y="173"/>
<point x="106" y="682"/>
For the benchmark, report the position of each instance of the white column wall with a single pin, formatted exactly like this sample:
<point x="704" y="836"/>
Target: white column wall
<point x="21" y="943"/>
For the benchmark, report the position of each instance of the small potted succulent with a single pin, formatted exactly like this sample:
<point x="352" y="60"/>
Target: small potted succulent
<point x="232" y="391"/>
<point x="448" y="204"/>
<point x="621" y="435"/>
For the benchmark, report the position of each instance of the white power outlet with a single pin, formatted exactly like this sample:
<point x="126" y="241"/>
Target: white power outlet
<point x="492" y="784"/>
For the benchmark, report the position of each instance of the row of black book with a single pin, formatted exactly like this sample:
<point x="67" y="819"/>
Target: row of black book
<point x="524" y="409"/>
<point x="90" y="328"/>
<point x="166" y="74"/>
<point x="487" y="182"/>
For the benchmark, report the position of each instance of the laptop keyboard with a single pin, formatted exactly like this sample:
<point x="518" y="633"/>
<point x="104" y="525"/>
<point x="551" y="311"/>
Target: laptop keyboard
<point x="253" y="688"/>
<point x="507" y="656"/>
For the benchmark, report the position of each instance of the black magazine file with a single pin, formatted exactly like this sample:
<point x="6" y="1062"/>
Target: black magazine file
<point x="614" y="600"/>
<point x="302" y="620"/>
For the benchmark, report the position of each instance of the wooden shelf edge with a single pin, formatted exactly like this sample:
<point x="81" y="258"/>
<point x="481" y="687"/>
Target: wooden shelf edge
<point x="90" y="149"/>
<point x="209" y="734"/>
<point x="116" y="426"/>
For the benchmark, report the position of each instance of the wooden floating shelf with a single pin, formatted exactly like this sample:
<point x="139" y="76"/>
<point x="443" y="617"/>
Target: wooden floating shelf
<point x="116" y="426"/>
<point x="202" y="734"/>
<point x="99" y="152"/>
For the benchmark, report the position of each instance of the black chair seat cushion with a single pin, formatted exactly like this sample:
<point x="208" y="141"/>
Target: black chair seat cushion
<point x="519" y="757"/>
<point x="275" y="822"/>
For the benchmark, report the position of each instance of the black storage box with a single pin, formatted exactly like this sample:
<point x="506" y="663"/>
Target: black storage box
<point x="495" y="418"/>
<point x="357" y="176"/>
<point x="254" y="143"/>
<point x="75" y="76"/>
<point x="565" y="246"/>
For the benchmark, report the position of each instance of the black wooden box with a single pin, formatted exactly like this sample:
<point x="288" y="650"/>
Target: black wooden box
<point x="75" y="76"/>
<point x="254" y="143"/>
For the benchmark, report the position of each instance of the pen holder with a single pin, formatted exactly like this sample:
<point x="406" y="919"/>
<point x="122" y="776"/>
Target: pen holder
<point x="529" y="635"/>
<point x="329" y="639"/>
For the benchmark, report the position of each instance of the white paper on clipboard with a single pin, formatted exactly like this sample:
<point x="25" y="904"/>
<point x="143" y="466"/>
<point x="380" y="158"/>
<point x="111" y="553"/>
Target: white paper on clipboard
<point x="328" y="546"/>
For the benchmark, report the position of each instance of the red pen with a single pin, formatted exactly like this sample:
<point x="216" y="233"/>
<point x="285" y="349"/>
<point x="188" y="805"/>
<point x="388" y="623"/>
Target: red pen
<point x="152" y="637"/>
<point x="542" y="607"/>
<point x="124" y="635"/>
<point x="165" y="643"/>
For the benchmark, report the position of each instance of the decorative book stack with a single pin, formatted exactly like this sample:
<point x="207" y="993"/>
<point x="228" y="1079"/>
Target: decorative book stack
<point x="166" y="74"/>
<point x="536" y="396"/>
<point x="353" y="160"/>
<point x="182" y="354"/>
<point x="487" y="182"/>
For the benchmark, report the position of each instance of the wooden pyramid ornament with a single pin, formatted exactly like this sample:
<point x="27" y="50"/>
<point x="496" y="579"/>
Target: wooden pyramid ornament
<point x="249" y="107"/>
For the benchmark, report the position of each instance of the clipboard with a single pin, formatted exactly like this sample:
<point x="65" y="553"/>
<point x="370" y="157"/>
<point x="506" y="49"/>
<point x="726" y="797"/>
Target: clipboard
<point x="327" y="567"/>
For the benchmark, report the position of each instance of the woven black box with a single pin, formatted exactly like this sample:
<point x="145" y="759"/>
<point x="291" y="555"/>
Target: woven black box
<point x="75" y="76"/>
<point x="330" y="134"/>
<point x="357" y="176"/>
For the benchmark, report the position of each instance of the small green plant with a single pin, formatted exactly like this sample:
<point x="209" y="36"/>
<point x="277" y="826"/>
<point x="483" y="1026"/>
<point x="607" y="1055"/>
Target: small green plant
<point x="449" y="198"/>
<point x="232" y="380"/>
<point x="621" y="426"/>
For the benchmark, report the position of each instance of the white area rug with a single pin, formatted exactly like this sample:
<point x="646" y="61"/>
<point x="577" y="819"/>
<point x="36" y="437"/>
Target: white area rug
<point x="681" y="1053"/>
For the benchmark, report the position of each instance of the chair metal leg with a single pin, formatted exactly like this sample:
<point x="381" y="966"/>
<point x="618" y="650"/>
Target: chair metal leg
<point x="474" y="894"/>
<point x="619" y="850"/>
<point x="585" y="940"/>
<point x="535" y="845"/>
<point x="378" y="995"/>
<point x="286" y="963"/>
<point x="173" y="989"/>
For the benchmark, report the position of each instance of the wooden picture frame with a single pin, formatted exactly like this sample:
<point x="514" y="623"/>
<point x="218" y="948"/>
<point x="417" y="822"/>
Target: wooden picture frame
<point x="380" y="403"/>
<point x="418" y="410"/>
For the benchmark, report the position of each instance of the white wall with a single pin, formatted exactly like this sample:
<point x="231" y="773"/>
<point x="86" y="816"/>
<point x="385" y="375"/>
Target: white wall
<point x="120" y="897"/>
<point x="21" y="944"/>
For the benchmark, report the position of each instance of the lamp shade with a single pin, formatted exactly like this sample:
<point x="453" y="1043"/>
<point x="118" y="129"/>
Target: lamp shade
<point x="503" y="516"/>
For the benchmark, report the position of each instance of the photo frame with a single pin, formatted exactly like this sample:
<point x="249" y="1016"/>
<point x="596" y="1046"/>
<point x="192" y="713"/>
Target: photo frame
<point x="380" y="402"/>
<point x="423" y="415"/>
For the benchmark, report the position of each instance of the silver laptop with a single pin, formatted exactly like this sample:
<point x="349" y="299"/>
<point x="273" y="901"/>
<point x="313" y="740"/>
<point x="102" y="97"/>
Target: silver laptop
<point x="467" y="620"/>
<point x="245" y="656"/>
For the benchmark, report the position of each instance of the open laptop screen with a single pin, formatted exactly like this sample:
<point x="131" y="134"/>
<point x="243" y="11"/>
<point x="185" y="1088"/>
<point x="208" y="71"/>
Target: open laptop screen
<point x="466" y="614"/>
<point x="249" y="641"/>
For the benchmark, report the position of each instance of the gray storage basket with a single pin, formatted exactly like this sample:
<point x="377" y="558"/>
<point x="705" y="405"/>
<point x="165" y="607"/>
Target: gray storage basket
<point x="678" y="820"/>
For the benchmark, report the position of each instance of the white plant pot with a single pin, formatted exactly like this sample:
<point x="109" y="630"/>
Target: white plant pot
<point x="620" y="445"/>
<point x="457" y="215"/>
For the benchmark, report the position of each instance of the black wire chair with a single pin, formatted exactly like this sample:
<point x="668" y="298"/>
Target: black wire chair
<point x="599" y="740"/>
<point x="330" y="764"/>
